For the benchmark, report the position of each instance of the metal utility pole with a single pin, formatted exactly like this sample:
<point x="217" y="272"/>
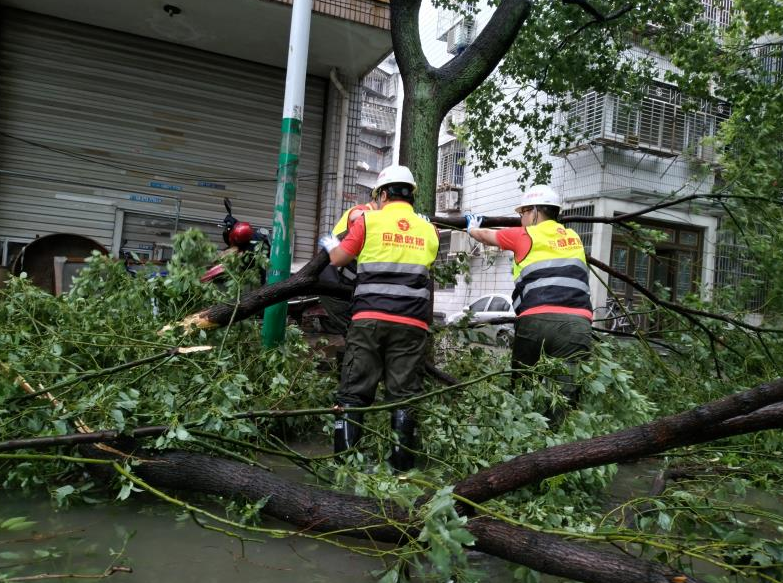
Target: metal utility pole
<point x="288" y="166"/>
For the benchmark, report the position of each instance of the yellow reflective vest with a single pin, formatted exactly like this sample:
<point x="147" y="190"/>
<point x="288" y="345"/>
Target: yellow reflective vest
<point x="393" y="273"/>
<point x="553" y="276"/>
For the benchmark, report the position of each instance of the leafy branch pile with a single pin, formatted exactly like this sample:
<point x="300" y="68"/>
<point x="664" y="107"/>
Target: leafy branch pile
<point x="75" y="342"/>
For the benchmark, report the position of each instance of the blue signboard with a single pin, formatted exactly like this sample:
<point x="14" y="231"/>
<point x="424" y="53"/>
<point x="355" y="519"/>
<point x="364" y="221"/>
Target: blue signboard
<point x="165" y="186"/>
<point x="145" y="198"/>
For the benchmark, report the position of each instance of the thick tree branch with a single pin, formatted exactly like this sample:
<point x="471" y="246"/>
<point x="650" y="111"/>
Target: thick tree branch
<point x="303" y="282"/>
<point x="314" y="509"/>
<point x="406" y="37"/>
<point x="464" y="73"/>
<point x="691" y="427"/>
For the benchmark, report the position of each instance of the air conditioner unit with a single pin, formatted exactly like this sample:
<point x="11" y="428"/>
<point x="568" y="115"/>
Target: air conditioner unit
<point x="461" y="243"/>
<point x="447" y="201"/>
<point x="459" y="36"/>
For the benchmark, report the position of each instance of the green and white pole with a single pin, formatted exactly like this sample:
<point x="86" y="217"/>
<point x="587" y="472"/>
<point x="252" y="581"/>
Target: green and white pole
<point x="287" y="167"/>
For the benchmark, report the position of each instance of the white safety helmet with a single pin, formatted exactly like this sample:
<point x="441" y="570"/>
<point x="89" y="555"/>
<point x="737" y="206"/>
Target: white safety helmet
<point x="540" y="195"/>
<point x="393" y="175"/>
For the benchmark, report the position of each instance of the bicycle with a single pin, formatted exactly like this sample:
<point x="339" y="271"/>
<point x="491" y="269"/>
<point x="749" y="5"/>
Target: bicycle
<point x="616" y="318"/>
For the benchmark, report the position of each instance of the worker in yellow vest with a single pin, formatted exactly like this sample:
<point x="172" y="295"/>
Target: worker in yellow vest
<point x="551" y="293"/>
<point x="339" y="310"/>
<point x="394" y="249"/>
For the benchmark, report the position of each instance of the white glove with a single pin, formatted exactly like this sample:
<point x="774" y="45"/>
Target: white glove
<point x="474" y="221"/>
<point x="423" y="216"/>
<point x="328" y="242"/>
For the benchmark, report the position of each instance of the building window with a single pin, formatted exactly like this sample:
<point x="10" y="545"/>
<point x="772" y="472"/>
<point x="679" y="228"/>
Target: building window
<point x="734" y="271"/>
<point x="584" y="230"/>
<point x="457" y="28"/>
<point x="671" y="271"/>
<point x="9" y="251"/>
<point x="451" y="165"/>
<point x="717" y="12"/>
<point x="771" y="60"/>
<point x="376" y="158"/>
<point x="379" y="118"/>
<point x="381" y="84"/>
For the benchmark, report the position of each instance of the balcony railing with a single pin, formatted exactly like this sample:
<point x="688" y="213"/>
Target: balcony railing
<point x="380" y="84"/>
<point x="451" y="164"/>
<point x="661" y="123"/>
<point x="378" y="118"/>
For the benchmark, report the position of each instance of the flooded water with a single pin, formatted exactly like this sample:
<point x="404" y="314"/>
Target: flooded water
<point x="165" y="549"/>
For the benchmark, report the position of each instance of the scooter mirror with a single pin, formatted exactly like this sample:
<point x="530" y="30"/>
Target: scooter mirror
<point x="227" y="204"/>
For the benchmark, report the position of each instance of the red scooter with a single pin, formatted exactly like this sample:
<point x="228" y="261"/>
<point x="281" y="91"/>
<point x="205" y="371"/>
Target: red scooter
<point x="240" y="237"/>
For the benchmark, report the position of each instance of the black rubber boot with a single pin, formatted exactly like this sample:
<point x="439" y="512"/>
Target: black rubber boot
<point x="346" y="431"/>
<point x="403" y="424"/>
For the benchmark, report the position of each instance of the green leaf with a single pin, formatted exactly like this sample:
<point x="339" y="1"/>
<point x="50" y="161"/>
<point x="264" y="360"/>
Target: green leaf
<point x="19" y="523"/>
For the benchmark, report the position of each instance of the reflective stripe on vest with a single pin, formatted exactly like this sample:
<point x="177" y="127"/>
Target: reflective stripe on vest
<point x="554" y="273"/>
<point x="391" y="289"/>
<point x="393" y="274"/>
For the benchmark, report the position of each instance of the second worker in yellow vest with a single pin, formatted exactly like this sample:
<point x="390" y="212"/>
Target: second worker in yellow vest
<point x="339" y="310"/>
<point x="551" y="291"/>
<point x="394" y="249"/>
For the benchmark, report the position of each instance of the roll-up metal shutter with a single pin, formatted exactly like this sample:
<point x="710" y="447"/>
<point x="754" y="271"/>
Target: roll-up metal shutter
<point x="98" y="125"/>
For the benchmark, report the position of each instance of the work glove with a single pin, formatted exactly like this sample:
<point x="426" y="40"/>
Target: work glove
<point x="328" y="242"/>
<point x="474" y="221"/>
<point x="423" y="216"/>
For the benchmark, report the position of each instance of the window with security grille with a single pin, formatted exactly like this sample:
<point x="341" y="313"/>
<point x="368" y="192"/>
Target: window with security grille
<point x="443" y="258"/>
<point x="380" y="83"/>
<point x="377" y="158"/>
<point x="734" y="271"/>
<point x="378" y="117"/>
<point x="584" y="230"/>
<point x="771" y="61"/>
<point x="717" y="12"/>
<point x="451" y="164"/>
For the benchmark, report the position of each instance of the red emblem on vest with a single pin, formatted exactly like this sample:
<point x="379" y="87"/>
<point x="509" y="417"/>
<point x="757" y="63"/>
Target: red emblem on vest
<point x="561" y="230"/>
<point x="403" y="225"/>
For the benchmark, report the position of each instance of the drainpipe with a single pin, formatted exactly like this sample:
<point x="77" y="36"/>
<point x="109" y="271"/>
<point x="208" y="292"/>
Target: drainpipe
<point x="287" y="167"/>
<point x="344" y="104"/>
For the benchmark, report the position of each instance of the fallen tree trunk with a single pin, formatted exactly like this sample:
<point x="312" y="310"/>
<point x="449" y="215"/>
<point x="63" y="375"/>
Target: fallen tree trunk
<point x="754" y="410"/>
<point x="314" y="509"/>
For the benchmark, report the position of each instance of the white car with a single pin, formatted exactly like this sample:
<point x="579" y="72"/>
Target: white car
<point x="484" y="309"/>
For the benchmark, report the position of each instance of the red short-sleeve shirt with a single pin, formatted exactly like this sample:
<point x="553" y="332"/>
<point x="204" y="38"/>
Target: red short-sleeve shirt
<point x="515" y="239"/>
